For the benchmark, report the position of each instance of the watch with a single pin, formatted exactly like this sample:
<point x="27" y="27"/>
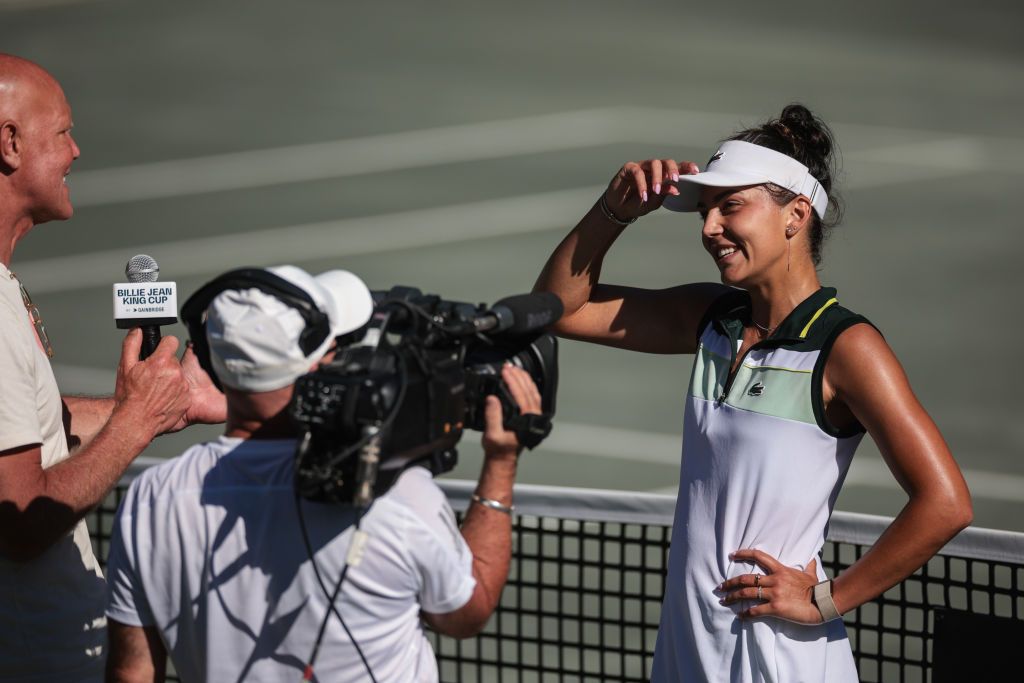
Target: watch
<point x="822" y="599"/>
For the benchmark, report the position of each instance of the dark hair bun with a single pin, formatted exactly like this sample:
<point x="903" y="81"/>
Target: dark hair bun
<point x="810" y="137"/>
<point x="800" y="134"/>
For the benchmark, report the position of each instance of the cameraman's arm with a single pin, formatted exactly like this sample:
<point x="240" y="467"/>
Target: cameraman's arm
<point x="136" y="654"/>
<point x="488" y="532"/>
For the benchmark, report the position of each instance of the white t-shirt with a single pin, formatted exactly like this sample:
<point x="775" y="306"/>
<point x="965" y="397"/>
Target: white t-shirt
<point x="52" y="626"/>
<point x="207" y="547"/>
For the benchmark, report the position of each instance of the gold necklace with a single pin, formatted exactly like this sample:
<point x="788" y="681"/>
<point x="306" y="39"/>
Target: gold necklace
<point x="766" y="331"/>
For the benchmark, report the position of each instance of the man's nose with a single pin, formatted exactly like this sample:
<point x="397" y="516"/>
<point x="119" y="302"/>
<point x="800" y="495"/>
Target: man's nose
<point x="75" y="151"/>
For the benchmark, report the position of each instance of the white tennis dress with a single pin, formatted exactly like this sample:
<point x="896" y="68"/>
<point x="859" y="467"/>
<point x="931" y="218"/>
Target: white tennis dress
<point x="761" y="468"/>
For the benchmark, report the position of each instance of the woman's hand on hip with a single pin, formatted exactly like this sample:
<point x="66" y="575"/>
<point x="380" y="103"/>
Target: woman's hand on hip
<point x="783" y="592"/>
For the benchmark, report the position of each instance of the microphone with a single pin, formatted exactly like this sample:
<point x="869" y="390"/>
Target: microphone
<point x="142" y="302"/>
<point x="521" y="314"/>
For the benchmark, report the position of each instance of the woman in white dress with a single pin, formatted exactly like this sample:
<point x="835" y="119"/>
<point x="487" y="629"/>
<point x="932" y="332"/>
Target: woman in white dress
<point x="785" y="383"/>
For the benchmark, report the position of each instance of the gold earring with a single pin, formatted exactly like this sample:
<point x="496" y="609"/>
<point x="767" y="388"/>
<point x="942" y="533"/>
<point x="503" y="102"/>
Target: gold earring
<point x="789" y="244"/>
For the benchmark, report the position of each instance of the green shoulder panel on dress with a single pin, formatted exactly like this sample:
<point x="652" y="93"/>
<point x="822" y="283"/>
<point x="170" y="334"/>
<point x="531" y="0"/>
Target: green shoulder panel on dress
<point x="710" y="371"/>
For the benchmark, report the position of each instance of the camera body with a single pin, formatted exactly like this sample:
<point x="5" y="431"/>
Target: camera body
<point x="405" y="387"/>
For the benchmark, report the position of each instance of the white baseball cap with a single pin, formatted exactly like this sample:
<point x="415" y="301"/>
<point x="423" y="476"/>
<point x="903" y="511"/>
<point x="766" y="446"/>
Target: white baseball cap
<point x="737" y="164"/>
<point x="254" y="336"/>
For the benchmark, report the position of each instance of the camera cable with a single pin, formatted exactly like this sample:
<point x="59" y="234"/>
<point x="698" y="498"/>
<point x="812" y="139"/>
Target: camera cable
<point x="331" y="596"/>
<point x="356" y="545"/>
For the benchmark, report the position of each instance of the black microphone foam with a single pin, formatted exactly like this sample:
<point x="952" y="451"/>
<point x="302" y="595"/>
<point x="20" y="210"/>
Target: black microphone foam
<point x="527" y="313"/>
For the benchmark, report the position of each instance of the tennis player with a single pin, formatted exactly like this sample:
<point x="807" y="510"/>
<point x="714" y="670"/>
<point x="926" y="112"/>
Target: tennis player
<point x="785" y="383"/>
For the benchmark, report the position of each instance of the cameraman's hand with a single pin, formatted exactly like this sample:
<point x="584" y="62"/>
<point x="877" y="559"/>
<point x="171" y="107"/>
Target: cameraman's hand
<point x="208" y="405"/>
<point x="497" y="441"/>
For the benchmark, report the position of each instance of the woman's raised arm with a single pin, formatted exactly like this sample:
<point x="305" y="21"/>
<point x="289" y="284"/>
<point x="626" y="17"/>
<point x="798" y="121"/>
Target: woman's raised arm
<point x="654" y="321"/>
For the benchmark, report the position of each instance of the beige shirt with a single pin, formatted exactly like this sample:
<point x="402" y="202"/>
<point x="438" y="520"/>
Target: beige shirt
<point x="52" y="626"/>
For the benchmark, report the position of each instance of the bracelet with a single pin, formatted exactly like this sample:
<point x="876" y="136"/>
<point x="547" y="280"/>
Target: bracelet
<point x="606" y="210"/>
<point x="494" y="505"/>
<point x="822" y="599"/>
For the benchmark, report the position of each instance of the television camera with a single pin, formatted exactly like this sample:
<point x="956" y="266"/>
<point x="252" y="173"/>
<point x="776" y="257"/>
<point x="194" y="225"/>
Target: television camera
<point x="408" y="383"/>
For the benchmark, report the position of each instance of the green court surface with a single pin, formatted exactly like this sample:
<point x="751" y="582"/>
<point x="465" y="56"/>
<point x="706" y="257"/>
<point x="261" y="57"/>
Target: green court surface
<point x="451" y="145"/>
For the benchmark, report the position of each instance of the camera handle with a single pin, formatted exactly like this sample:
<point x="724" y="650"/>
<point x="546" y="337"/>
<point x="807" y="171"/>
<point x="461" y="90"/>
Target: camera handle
<point x="366" y="472"/>
<point x="530" y="428"/>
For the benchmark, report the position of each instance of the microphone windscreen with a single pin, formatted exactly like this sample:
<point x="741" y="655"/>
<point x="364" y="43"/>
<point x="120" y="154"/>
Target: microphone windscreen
<point x="142" y="268"/>
<point x="532" y="312"/>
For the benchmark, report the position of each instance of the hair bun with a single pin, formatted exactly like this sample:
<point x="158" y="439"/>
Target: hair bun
<point x="800" y="134"/>
<point x="809" y="134"/>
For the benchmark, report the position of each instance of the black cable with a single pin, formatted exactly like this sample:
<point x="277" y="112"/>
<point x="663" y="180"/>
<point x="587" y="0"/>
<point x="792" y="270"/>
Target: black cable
<point x="385" y="424"/>
<point x="431" y="320"/>
<point x="331" y="596"/>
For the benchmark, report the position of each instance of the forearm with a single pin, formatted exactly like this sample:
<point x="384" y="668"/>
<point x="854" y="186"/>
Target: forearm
<point x="488" y="532"/>
<point x="84" y="417"/>
<point x="47" y="504"/>
<point x="136" y="654"/>
<point x="574" y="268"/>
<point x="921" y="529"/>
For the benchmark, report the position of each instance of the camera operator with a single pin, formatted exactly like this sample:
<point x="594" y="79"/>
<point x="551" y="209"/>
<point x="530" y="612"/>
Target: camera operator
<point x="208" y="561"/>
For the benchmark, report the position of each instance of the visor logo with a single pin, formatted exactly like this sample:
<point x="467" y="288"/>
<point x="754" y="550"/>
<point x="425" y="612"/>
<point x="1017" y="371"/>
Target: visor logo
<point x="714" y="158"/>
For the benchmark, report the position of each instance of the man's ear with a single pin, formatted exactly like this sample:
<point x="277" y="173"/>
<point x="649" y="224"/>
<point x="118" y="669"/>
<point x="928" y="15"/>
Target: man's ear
<point x="10" y="144"/>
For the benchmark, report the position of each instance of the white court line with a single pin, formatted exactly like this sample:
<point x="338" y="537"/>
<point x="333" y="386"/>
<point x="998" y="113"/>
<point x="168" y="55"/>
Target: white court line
<point x="365" y="235"/>
<point x="15" y="5"/>
<point x="344" y="158"/>
<point x="326" y="240"/>
<point x="492" y="140"/>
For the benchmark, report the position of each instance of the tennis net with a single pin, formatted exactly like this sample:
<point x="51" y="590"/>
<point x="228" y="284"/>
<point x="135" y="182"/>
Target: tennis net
<point x="583" y="598"/>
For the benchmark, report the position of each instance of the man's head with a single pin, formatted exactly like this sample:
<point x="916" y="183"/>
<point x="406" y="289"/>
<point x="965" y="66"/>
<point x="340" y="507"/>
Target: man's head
<point x="36" y="147"/>
<point x="260" y="342"/>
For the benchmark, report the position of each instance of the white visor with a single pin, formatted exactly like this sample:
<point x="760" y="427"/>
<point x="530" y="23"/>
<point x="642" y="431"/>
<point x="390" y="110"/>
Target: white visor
<point x="737" y="164"/>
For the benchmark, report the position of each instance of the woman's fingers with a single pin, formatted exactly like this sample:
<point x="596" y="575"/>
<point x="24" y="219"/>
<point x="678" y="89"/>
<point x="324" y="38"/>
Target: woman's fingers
<point x="640" y="186"/>
<point x="765" y="609"/>
<point x="671" y="170"/>
<point x="636" y="171"/>
<point x="745" y="581"/>
<point x="759" y="593"/>
<point x="812" y="568"/>
<point x="761" y="558"/>
<point x="784" y="592"/>
<point x="746" y="587"/>
<point x="656" y="177"/>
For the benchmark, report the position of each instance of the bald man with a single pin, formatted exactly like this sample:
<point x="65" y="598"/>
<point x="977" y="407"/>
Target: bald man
<point x="59" y="456"/>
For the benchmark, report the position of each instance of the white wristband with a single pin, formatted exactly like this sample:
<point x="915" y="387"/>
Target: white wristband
<point x="823" y="601"/>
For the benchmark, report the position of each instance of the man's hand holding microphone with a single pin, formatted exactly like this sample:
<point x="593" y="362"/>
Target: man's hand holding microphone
<point x="155" y="391"/>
